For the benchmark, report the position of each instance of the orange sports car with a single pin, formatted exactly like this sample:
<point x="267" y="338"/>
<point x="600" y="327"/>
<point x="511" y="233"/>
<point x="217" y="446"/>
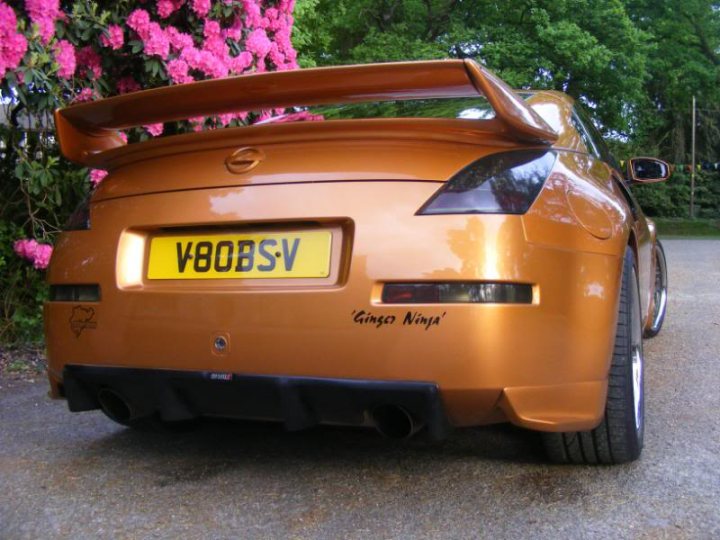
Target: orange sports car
<point x="435" y="250"/>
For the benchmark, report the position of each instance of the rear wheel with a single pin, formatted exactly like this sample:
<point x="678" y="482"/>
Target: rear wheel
<point x="619" y="437"/>
<point x="660" y="292"/>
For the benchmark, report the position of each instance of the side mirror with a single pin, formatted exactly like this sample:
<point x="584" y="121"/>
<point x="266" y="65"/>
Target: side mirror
<point x="645" y="170"/>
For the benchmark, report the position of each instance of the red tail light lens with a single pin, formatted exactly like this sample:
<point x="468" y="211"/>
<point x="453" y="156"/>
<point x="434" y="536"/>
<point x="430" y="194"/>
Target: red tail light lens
<point x="502" y="183"/>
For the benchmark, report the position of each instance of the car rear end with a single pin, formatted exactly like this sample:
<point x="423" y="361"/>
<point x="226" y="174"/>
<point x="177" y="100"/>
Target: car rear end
<point x="328" y="273"/>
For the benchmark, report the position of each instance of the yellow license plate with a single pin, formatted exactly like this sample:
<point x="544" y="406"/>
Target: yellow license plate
<point x="301" y="254"/>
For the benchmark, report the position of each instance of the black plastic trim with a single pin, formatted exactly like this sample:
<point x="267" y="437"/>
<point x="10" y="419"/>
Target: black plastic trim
<point x="298" y="402"/>
<point x="75" y="293"/>
<point x="457" y="292"/>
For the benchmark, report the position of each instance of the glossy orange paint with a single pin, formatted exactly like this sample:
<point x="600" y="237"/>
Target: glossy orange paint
<point x="542" y="365"/>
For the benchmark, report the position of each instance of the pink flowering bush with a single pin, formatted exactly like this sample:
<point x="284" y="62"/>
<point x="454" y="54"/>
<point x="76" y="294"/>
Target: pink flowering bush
<point x="57" y="52"/>
<point x="12" y="43"/>
<point x="33" y="251"/>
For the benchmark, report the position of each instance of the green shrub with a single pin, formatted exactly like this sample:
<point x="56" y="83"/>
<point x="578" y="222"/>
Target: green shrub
<point x="671" y="199"/>
<point x="22" y="292"/>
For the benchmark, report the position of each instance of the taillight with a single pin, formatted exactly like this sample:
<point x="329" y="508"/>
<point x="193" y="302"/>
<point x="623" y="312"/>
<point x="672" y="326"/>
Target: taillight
<point x="502" y="183"/>
<point x="79" y="220"/>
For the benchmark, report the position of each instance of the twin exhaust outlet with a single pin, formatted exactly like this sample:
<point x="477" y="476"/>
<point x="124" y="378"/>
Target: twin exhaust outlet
<point x="391" y="421"/>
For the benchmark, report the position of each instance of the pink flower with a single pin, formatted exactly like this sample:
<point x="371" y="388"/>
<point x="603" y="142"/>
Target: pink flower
<point x="139" y="20"/>
<point x="287" y="6"/>
<point x="282" y="39"/>
<point x="225" y="119"/>
<point x="65" y="57"/>
<point x="276" y="57"/>
<point x="86" y="94"/>
<point x="154" y="129"/>
<point x="165" y="8"/>
<point x="178" y="71"/>
<point x="201" y="7"/>
<point x="253" y="15"/>
<point x="123" y="136"/>
<point x="198" y="123"/>
<point x="43" y="14"/>
<point x="272" y="15"/>
<point x="25" y="248"/>
<point x="178" y="40"/>
<point x="155" y="41"/>
<point x="114" y="38"/>
<point x="217" y="46"/>
<point x="242" y="61"/>
<point x="211" y="29"/>
<point x="127" y="84"/>
<point x="90" y="62"/>
<point x="204" y="61"/>
<point x="12" y="44"/>
<point x="42" y="256"/>
<point x="258" y="43"/>
<point x="97" y="176"/>
<point x="33" y="251"/>
<point x="235" y="31"/>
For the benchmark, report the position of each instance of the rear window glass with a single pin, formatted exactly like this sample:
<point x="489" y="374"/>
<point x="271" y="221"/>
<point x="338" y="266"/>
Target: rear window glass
<point x="473" y="108"/>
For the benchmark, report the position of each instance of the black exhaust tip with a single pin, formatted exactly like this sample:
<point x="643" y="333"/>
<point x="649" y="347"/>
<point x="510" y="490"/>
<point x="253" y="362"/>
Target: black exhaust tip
<point x="394" y="422"/>
<point x="115" y="406"/>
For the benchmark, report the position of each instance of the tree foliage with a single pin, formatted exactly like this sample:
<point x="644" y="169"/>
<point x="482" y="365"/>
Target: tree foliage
<point x="562" y="44"/>
<point x="636" y="63"/>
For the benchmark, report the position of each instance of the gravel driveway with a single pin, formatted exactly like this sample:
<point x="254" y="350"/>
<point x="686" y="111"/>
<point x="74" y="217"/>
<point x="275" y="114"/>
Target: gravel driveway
<point x="80" y="476"/>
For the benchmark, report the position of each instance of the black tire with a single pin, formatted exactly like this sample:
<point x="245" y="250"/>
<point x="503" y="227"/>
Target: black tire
<point x="619" y="437"/>
<point x="659" y="292"/>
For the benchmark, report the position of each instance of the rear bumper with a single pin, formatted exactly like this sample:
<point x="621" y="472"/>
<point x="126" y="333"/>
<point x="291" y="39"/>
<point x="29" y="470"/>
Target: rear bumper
<point x="542" y="365"/>
<point x="302" y="402"/>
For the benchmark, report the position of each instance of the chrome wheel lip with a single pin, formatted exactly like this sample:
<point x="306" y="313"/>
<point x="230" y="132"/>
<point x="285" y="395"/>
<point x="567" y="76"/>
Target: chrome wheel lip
<point x="637" y="384"/>
<point x="637" y="360"/>
<point x="660" y="293"/>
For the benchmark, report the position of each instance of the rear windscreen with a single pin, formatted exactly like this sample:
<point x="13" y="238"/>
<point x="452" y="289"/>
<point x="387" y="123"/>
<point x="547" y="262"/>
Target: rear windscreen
<point x="472" y="108"/>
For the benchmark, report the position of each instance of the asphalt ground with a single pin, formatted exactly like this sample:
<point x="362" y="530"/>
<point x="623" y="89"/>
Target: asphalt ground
<point x="66" y="475"/>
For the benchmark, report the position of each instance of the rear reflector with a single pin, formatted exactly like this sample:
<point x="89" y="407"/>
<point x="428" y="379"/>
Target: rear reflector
<point x="457" y="293"/>
<point x="74" y="293"/>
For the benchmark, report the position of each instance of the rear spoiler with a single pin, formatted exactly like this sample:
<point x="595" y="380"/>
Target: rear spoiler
<point x="88" y="129"/>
